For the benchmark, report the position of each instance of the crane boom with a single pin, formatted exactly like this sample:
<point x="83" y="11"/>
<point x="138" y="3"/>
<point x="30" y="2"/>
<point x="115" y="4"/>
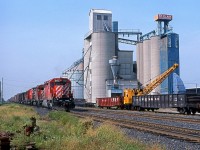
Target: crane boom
<point x="146" y="90"/>
<point x="129" y="93"/>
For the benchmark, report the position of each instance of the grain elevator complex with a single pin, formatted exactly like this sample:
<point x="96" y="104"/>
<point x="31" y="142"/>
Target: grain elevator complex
<point x="105" y="70"/>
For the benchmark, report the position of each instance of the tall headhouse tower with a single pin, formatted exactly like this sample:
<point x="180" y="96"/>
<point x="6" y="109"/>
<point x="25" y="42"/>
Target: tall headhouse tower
<point x="100" y="46"/>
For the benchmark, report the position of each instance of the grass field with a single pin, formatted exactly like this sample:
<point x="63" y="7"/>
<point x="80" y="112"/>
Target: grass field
<point x="62" y="131"/>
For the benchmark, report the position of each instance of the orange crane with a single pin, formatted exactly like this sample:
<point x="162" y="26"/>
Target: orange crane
<point x="129" y="93"/>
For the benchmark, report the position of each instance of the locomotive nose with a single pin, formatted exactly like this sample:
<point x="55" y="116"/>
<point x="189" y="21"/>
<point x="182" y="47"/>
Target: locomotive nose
<point x="59" y="91"/>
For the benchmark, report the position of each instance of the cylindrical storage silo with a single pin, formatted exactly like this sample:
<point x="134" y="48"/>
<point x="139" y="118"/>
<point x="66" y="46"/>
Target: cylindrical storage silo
<point x="139" y="59"/>
<point x="75" y="75"/>
<point x="86" y="55"/>
<point x="141" y="64"/>
<point x="146" y="62"/>
<point x="103" y="49"/>
<point x="155" y="60"/>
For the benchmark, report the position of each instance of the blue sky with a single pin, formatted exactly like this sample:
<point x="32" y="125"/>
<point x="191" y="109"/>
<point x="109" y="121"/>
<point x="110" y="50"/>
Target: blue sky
<point x="41" y="38"/>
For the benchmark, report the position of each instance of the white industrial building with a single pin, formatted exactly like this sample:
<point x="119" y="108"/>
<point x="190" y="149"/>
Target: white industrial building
<point x="156" y="51"/>
<point x="100" y="45"/>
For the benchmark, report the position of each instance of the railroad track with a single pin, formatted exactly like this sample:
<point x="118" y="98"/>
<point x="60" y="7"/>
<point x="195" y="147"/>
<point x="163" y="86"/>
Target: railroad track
<point x="190" y="135"/>
<point x="180" y="133"/>
<point x="154" y="116"/>
<point x="173" y="118"/>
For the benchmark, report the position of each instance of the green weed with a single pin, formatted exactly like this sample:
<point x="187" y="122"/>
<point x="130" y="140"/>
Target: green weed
<point x="60" y="130"/>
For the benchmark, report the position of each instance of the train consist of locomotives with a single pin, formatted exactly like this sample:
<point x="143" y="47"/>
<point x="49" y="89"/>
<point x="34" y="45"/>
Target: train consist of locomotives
<point x="54" y="92"/>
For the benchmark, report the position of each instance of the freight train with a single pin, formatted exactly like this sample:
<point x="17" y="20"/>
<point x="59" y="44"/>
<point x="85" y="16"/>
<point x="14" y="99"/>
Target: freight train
<point x="139" y="99"/>
<point x="54" y="92"/>
<point x="184" y="103"/>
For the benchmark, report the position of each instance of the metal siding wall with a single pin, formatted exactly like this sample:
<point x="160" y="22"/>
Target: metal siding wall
<point x="103" y="49"/>
<point x="98" y="25"/>
<point x="126" y="65"/>
<point x="173" y="57"/>
<point x="91" y="21"/>
<point x="74" y="77"/>
<point x="115" y="26"/>
<point x="123" y="84"/>
<point x="164" y="64"/>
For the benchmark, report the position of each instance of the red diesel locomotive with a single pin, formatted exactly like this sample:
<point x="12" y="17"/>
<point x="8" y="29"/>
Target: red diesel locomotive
<point x="56" y="91"/>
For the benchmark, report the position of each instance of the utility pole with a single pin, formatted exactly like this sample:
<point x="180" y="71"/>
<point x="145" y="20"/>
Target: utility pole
<point x="0" y="93"/>
<point x="196" y="88"/>
<point x="2" y="90"/>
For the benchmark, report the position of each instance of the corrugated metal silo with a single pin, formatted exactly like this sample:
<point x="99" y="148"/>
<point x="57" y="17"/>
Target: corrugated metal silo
<point x="164" y="64"/>
<point x="87" y="54"/>
<point x="155" y="60"/>
<point x="75" y="75"/>
<point x="169" y="55"/>
<point x="103" y="49"/>
<point x="146" y="61"/>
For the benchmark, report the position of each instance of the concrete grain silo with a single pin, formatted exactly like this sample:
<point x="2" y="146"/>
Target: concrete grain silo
<point x="146" y="62"/>
<point x="155" y="60"/>
<point x="103" y="49"/>
<point x="99" y="48"/>
<point x="139" y="59"/>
